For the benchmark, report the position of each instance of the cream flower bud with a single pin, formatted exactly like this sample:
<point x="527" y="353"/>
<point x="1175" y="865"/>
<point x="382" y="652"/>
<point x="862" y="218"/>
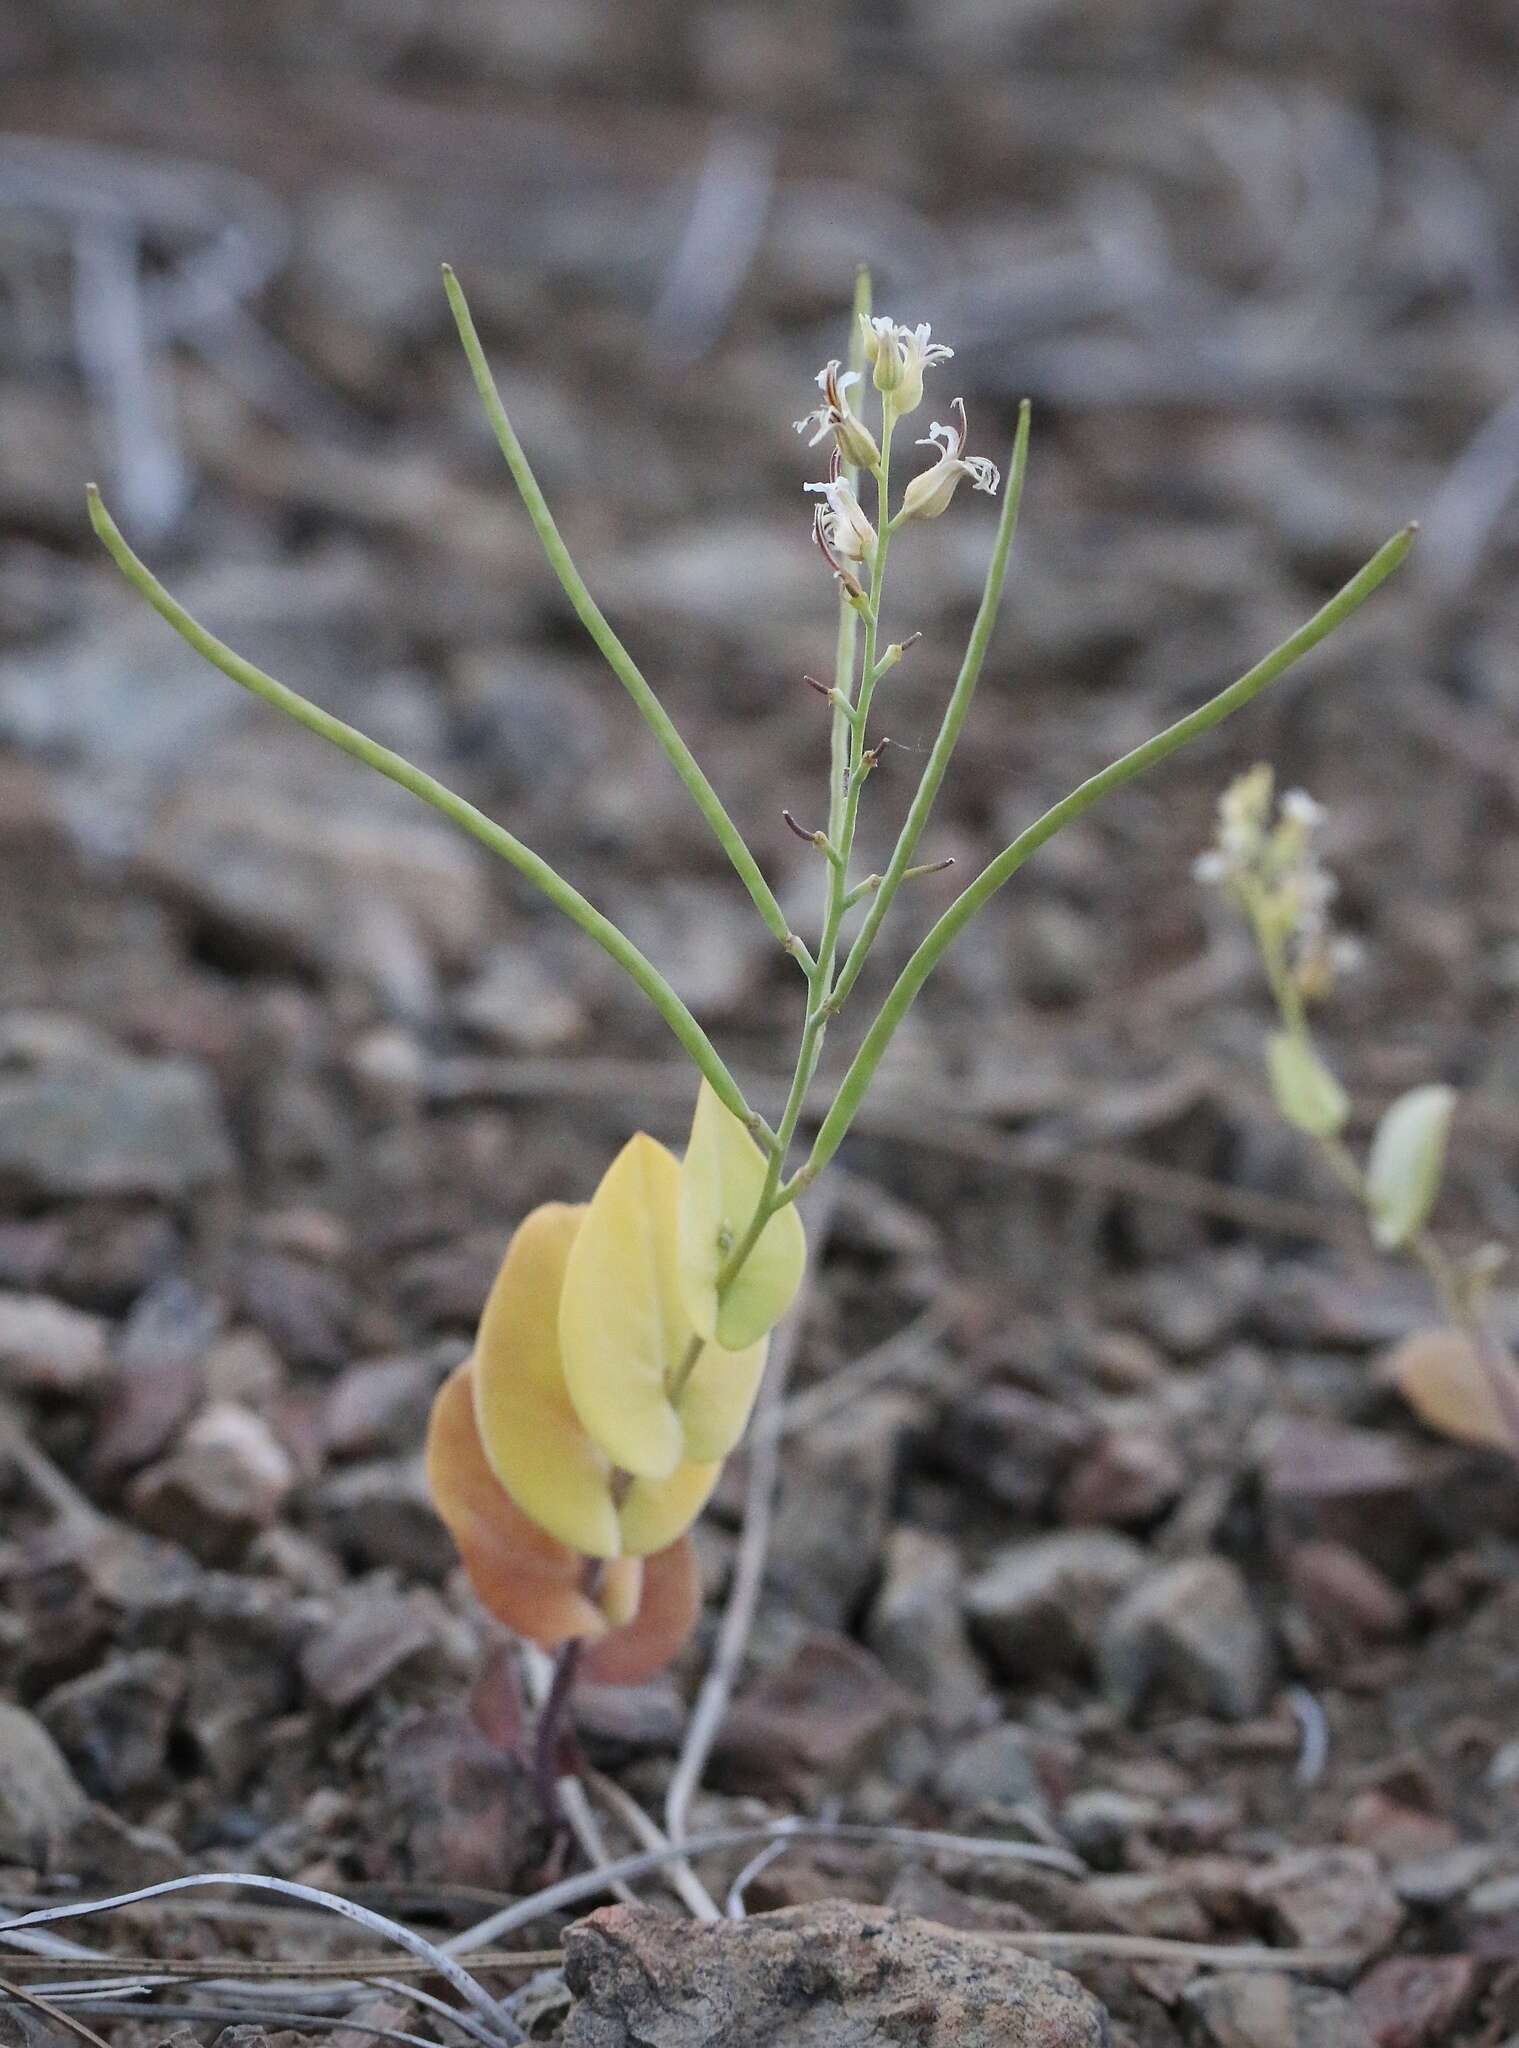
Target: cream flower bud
<point x="929" y="493"/>
<point x="848" y="532"/>
<point x="898" y="357"/>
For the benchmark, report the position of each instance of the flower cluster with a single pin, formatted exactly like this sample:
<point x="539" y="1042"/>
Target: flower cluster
<point x="898" y="357"/>
<point x="1271" y="867"/>
<point x="615" y="1368"/>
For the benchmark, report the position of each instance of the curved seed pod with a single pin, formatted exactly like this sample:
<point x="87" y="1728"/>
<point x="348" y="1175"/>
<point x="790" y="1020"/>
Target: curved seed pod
<point x="532" y="1437"/>
<point x="721" y="1183"/>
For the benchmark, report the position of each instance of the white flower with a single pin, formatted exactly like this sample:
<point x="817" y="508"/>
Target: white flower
<point x="899" y="356"/>
<point x="853" y="438"/>
<point x="1264" y="856"/>
<point x="1301" y="808"/>
<point x="842" y="523"/>
<point x="929" y="494"/>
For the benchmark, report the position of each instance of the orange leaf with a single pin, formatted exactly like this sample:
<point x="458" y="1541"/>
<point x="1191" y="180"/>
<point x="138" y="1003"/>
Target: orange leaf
<point x="643" y="1609"/>
<point x="1443" y="1380"/>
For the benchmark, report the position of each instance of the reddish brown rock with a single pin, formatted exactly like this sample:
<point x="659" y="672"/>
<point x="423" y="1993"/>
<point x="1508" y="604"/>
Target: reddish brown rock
<point x="1414" y="2001"/>
<point x="1329" y="1898"/>
<point x="1345" y="1594"/>
<point x="817" y="1720"/>
<point x="830" y="1976"/>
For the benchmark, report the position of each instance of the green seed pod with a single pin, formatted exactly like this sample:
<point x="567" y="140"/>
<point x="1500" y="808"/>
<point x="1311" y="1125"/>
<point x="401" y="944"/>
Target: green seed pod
<point x="1407" y="1162"/>
<point x="1307" y="1094"/>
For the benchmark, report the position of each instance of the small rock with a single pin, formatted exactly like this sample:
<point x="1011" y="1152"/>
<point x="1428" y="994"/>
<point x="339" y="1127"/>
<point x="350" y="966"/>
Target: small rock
<point x="388" y="1070"/>
<point x="454" y="1809"/>
<point x="112" y="1127"/>
<point x="1356" y="1487"/>
<point x="159" y="1378"/>
<point x="1193" y="1629"/>
<point x="1394" y="1831"/>
<point x="241" y="1639"/>
<point x="516" y="1005"/>
<point x="1039" y="1606"/>
<point x="1100" y="1824"/>
<point x="1128" y="1479"/>
<point x="381" y="1404"/>
<point x="1415" y="2001"/>
<point x="916" y="1629"/>
<point x="711" y="961"/>
<point x="834" y="1975"/>
<point x="1345" y="1594"/>
<point x="41" y="1802"/>
<point x="1189" y="1310"/>
<point x="49" y="1348"/>
<point x="227" y="1478"/>
<point x="618" y="1722"/>
<point x="1152" y="1902"/>
<point x="367" y="1642"/>
<point x="1015" y="1446"/>
<point x="282" y="864"/>
<point x="1328" y="1898"/>
<point x="1495" y="1898"/>
<point x="817" y="1720"/>
<point x="306" y="1310"/>
<point x="113" y="1724"/>
<point x="835" y="1508"/>
<point x="380" y="1514"/>
<point x="1264" y="2009"/>
<point x="108" y="1852"/>
<point x="922" y="1893"/>
<point x="1440" y="1880"/>
<point x="296" y="1558"/>
<point x="990" y="1774"/>
<point x="1123" y="1362"/>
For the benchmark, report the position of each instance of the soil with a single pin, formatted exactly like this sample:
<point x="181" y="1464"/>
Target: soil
<point x="1100" y="1528"/>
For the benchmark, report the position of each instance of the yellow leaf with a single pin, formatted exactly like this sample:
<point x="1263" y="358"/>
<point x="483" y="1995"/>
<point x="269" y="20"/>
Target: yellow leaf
<point x="621" y="1590"/>
<point x="656" y="1511"/>
<point x="1307" y="1094"/>
<point x="720" y="1188"/>
<point x="718" y="1396"/>
<point x="1442" y="1379"/>
<point x="1407" y="1163"/>
<point x="529" y="1430"/>
<point x="623" y="1329"/>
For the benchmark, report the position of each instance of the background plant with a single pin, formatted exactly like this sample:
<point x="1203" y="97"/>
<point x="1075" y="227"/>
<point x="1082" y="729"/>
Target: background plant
<point x="1461" y="1378"/>
<point x="617" y="1358"/>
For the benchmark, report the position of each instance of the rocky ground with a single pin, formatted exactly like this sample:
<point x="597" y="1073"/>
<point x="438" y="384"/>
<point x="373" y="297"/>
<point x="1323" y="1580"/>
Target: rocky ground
<point x="1100" y="1528"/>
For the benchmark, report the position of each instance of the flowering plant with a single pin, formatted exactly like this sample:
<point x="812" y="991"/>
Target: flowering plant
<point x="1459" y="1377"/>
<point x="623" y="1341"/>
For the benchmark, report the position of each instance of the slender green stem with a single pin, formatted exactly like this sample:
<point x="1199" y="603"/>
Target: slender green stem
<point x="954" y="716"/>
<point x="594" y="620"/>
<point x="843" y="661"/>
<point x="453" y="807"/>
<point x="1007" y="863"/>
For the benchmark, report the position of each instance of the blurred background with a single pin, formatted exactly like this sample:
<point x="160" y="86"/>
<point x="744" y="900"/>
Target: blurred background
<point x="281" y="1059"/>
